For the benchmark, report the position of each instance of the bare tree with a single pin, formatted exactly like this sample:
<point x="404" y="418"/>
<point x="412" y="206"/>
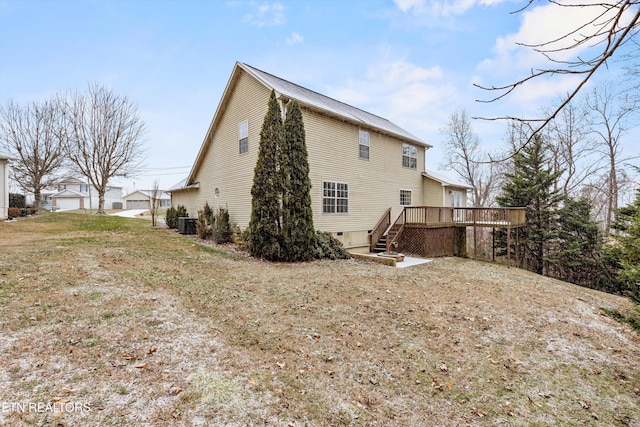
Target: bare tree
<point x="105" y="134"/>
<point x="33" y="134"/>
<point x="464" y="155"/>
<point x="611" y="113"/>
<point x="573" y="150"/>
<point x="614" y="24"/>
<point x="154" y="202"/>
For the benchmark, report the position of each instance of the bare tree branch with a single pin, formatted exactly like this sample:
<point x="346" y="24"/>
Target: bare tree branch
<point x="105" y="134"/>
<point x="33" y="133"/>
<point x="610" y="34"/>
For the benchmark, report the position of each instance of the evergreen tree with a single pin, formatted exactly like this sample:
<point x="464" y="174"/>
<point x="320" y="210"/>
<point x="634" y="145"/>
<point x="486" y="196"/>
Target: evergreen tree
<point x="531" y="185"/>
<point x="264" y="226"/>
<point x="297" y="218"/>
<point x="627" y="250"/>
<point x="578" y="254"/>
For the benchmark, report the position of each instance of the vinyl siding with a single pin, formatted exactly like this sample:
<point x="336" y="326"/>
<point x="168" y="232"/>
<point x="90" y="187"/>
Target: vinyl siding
<point x="374" y="184"/>
<point x="432" y="193"/>
<point x="333" y="153"/>
<point x="222" y="166"/>
<point x="4" y="191"/>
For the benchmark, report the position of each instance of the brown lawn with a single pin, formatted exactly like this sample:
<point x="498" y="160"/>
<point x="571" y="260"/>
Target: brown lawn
<point x="106" y="321"/>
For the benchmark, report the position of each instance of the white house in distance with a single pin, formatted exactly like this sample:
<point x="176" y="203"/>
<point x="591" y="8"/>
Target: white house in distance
<point x="4" y="183"/>
<point x="362" y="167"/>
<point x="141" y="199"/>
<point x="72" y="193"/>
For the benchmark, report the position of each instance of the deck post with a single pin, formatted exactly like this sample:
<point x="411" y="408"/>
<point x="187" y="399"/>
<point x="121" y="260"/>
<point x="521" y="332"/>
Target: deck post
<point x="509" y="245"/>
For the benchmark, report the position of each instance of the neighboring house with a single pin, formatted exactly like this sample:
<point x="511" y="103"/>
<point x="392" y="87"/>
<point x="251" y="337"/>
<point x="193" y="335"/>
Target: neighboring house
<point x="4" y="183"/>
<point x="141" y="199"/>
<point x="73" y="193"/>
<point x="360" y="164"/>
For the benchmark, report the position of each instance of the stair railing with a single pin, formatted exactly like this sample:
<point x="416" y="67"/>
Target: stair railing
<point x="379" y="230"/>
<point x="395" y="230"/>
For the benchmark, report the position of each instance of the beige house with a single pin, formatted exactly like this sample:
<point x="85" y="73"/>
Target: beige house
<point x="360" y="164"/>
<point x="4" y="183"/>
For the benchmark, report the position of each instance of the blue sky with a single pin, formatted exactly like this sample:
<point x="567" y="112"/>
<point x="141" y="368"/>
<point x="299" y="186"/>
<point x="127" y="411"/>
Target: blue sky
<point x="411" y="61"/>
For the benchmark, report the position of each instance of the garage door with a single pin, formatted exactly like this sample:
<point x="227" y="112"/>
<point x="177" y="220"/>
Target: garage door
<point x="138" y="204"/>
<point x="67" y="203"/>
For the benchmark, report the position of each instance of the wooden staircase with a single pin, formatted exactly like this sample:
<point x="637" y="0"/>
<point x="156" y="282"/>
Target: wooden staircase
<point x="381" y="244"/>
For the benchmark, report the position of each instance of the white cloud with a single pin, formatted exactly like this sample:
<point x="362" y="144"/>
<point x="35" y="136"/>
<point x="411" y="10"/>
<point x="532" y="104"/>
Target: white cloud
<point x="295" y="38"/>
<point x="440" y="7"/>
<point x="266" y="15"/>
<point x="414" y="97"/>
<point x="547" y="25"/>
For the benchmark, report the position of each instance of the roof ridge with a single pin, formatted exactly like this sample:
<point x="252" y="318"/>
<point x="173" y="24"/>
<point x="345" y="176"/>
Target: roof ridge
<point x="316" y="92"/>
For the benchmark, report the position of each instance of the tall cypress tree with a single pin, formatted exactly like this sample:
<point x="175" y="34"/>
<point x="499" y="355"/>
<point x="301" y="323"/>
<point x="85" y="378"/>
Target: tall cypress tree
<point x="265" y="227"/>
<point x="297" y="217"/>
<point x="531" y="185"/>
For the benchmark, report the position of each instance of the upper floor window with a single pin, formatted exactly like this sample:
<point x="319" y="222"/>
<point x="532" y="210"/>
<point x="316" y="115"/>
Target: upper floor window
<point x="409" y="156"/>
<point x="243" y="137"/>
<point x="364" y="144"/>
<point x="405" y="197"/>
<point x="335" y="197"/>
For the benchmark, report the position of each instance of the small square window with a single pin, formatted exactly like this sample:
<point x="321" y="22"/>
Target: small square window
<point x="405" y="197"/>
<point x="243" y="137"/>
<point x="364" y="144"/>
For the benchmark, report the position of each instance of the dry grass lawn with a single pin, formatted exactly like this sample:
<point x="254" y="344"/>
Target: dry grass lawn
<point x="142" y="326"/>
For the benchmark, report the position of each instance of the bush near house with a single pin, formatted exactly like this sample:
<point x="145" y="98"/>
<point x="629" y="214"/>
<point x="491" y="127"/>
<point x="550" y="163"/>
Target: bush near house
<point x="222" y="231"/>
<point x="329" y="247"/>
<point x="172" y="215"/>
<point x="14" y="212"/>
<point x="17" y="200"/>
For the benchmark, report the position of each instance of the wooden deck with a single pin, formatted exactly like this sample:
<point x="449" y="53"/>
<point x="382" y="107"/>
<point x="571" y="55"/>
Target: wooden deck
<point x="390" y="233"/>
<point x="462" y="217"/>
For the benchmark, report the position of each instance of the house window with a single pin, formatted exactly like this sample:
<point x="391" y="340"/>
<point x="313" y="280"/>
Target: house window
<point x="335" y="197"/>
<point x="243" y="137"/>
<point x="409" y="156"/>
<point x="405" y="197"/>
<point x="364" y="144"/>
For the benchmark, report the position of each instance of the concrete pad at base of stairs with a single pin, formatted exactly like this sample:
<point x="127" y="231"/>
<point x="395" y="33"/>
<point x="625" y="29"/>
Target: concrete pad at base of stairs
<point x="407" y="262"/>
<point x="411" y="261"/>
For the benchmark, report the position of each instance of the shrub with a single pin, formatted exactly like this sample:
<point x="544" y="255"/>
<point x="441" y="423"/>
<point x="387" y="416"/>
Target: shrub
<point x="221" y="226"/>
<point x="172" y="215"/>
<point x="171" y="218"/>
<point x="13" y="212"/>
<point x="17" y="200"/>
<point x="208" y="214"/>
<point x="329" y="247"/>
<point x="203" y="228"/>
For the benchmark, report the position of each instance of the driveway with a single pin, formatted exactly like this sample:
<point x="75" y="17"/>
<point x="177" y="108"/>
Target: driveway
<point x="130" y="213"/>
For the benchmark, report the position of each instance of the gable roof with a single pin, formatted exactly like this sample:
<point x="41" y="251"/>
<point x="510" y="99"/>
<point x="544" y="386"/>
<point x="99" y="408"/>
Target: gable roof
<point x="7" y="156"/>
<point x="322" y="103"/>
<point x="147" y="193"/>
<point x="286" y="90"/>
<point x="68" y="193"/>
<point x="444" y="180"/>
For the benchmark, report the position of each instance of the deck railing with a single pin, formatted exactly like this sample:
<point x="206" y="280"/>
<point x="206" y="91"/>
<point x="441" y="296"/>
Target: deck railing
<point x="487" y="217"/>
<point x="451" y="217"/>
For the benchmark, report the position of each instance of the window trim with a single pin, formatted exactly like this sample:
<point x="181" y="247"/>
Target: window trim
<point x="364" y="140"/>
<point x="404" y="190"/>
<point x="338" y="204"/>
<point x="243" y="137"/>
<point x="411" y="154"/>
